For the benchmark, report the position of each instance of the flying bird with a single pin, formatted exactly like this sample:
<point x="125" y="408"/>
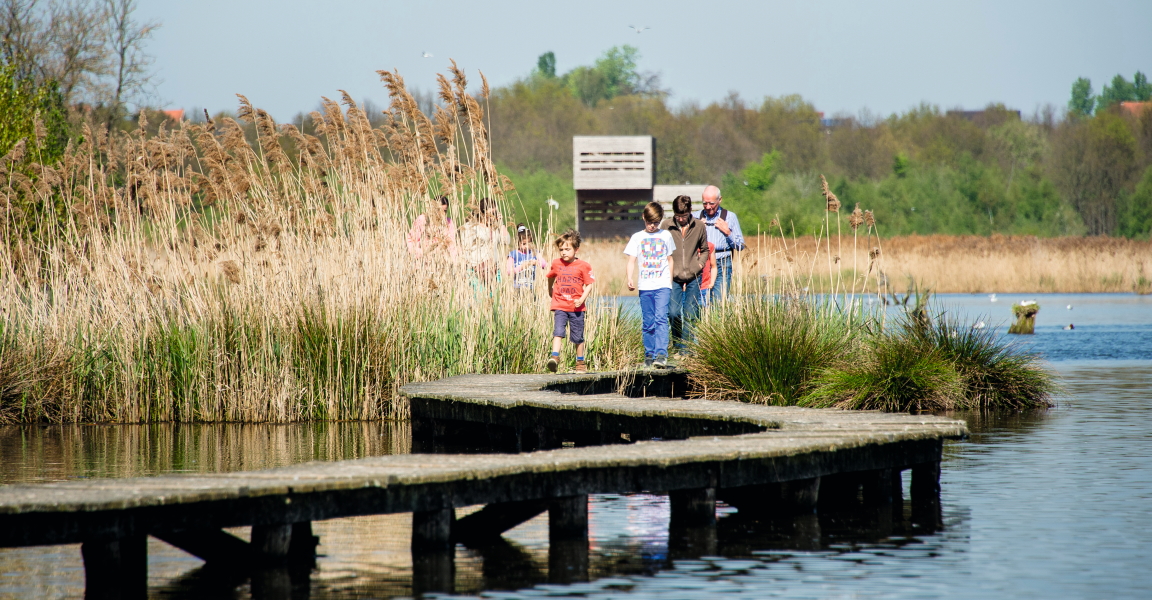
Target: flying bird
<point x="640" y="29"/>
<point x="426" y="55"/>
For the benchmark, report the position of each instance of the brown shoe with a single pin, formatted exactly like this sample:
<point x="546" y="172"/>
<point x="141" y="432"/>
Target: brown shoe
<point x="581" y="367"/>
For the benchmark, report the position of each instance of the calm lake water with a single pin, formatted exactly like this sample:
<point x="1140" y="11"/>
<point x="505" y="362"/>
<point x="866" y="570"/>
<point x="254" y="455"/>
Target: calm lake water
<point x="1052" y="504"/>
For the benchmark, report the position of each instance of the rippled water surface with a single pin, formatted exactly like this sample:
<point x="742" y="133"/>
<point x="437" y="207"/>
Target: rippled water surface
<point x="1055" y="504"/>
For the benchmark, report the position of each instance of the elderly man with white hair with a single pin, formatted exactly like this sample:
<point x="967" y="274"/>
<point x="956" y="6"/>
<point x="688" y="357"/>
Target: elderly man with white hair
<point x="723" y="233"/>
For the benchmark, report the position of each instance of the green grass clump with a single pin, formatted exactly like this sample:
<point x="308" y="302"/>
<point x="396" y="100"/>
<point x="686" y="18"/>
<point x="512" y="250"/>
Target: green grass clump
<point x="798" y="352"/>
<point x="765" y="349"/>
<point x="996" y="374"/>
<point x="895" y="373"/>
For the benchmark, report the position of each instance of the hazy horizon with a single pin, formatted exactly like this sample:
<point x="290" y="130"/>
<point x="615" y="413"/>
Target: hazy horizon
<point x="844" y="57"/>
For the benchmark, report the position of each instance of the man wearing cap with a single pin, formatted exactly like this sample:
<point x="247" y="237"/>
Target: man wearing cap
<point x="724" y="233"/>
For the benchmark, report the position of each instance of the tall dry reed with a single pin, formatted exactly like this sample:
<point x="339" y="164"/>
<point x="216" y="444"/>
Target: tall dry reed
<point x="954" y="264"/>
<point x="194" y="276"/>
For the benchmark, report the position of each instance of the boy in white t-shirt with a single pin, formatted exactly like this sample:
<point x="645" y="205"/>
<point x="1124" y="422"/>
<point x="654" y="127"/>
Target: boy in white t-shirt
<point x="653" y="249"/>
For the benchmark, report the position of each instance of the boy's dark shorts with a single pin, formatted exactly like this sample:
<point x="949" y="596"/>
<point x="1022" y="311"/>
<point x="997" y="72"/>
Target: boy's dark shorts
<point x="575" y="322"/>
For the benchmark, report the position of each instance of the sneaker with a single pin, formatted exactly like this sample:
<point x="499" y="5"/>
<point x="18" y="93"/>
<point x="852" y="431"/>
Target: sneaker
<point x="581" y="367"/>
<point x="553" y="363"/>
<point x="661" y="362"/>
<point x="648" y="363"/>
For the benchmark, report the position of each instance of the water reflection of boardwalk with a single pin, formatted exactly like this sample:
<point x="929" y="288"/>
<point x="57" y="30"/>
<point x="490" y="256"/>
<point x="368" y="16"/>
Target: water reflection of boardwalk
<point x="556" y="446"/>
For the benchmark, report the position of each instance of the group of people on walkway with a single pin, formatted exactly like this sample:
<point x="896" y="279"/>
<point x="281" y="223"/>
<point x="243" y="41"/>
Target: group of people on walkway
<point x="677" y="265"/>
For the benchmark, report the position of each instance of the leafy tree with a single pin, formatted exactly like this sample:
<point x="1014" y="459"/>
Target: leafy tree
<point x="761" y="175"/>
<point x="613" y="74"/>
<point x="546" y="65"/>
<point x="900" y="165"/>
<point x="1136" y="212"/>
<point x="1141" y="87"/>
<point x="1082" y="102"/>
<point x="1121" y="90"/>
<point x="1093" y="163"/>
<point x="33" y="113"/>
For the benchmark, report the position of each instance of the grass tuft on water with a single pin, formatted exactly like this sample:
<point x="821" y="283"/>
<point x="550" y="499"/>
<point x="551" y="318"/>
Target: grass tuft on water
<point x="765" y="350"/>
<point x="796" y="351"/>
<point x="894" y="373"/>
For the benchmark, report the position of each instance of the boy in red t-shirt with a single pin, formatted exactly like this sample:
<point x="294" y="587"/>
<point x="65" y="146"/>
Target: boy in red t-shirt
<point x="569" y="281"/>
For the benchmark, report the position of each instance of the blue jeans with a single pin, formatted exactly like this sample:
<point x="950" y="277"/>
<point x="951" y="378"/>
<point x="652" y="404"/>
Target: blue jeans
<point x="654" y="314"/>
<point x="684" y="310"/>
<point x="723" y="283"/>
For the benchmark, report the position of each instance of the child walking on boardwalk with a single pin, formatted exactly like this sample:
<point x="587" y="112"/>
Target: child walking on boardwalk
<point x="569" y="281"/>
<point x="653" y="249"/>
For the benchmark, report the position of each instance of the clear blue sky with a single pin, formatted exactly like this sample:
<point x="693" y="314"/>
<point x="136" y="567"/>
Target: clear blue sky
<point x="843" y="56"/>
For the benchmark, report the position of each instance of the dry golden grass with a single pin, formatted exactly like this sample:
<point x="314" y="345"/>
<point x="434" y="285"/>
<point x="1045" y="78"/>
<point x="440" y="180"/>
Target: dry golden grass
<point x="192" y="276"/>
<point x="946" y="264"/>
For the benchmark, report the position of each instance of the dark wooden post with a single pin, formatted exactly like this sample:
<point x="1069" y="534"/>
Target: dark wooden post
<point x="271" y="542"/>
<point x="926" y="496"/>
<point x="302" y="548"/>
<point x="840" y="491"/>
<point x="116" y="568"/>
<point x="692" y="526"/>
<point x="433" y="553"/>
<point x="568" y="539"/>
<point x="877" y="486"/>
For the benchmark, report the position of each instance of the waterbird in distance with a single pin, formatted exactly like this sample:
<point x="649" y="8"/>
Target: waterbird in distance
<point x="639" y="29"/>
<point x="992" y="297"/>
<point x="979" y="325"/>
<point x="426" y="55"/>
<point x="1069" y="307"/>
<point x="1069" y="327"/>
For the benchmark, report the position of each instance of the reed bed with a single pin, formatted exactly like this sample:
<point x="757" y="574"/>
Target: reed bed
<point x="966" y="264"/>
<point x="194" y="276"/>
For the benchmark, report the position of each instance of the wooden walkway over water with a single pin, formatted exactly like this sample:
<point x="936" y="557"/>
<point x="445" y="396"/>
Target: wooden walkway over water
<point x="520" y="445"/>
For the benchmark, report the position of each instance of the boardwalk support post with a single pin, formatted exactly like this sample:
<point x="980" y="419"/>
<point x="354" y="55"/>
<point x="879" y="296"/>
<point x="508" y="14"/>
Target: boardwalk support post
<point x="116" y="568"/>
<point x="877" y="486"/>
<point x="433" y="553"/>
<point x="692" y="526"/>
<point x="568" y="539"/>
<point x="926" y="496"/>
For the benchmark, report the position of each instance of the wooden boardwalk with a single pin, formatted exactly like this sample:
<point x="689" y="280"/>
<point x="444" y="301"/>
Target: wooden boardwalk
<point x="556" y="440"/>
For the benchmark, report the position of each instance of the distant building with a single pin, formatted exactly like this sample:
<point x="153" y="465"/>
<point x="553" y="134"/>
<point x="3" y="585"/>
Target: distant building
<point x="176" y="114"/>
<point x="831" y="123"/>
<point x="1134" y="108"/>
<point x="614" y="177"/>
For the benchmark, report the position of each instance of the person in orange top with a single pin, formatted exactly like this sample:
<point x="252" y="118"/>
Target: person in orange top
<point x="708" y="275"/>
<point x="569" y="281"/>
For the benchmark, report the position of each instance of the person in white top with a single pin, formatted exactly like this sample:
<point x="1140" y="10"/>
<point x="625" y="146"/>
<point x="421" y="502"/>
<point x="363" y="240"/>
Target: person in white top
<point x="482" y="241"/>
<point x="652" y="249"/>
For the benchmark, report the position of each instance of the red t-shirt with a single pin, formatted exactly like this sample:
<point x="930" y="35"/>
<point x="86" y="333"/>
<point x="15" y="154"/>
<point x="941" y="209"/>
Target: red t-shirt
<point x="707" y="267"/>
<point x="569" y="286"/>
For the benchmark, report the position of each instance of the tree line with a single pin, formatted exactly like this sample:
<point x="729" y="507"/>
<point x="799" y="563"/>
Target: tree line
<point x="926" y="170"/>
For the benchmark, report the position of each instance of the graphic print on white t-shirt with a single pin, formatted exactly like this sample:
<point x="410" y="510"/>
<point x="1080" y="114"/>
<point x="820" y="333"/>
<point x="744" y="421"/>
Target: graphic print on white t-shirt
<point x="652" y="251"/>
